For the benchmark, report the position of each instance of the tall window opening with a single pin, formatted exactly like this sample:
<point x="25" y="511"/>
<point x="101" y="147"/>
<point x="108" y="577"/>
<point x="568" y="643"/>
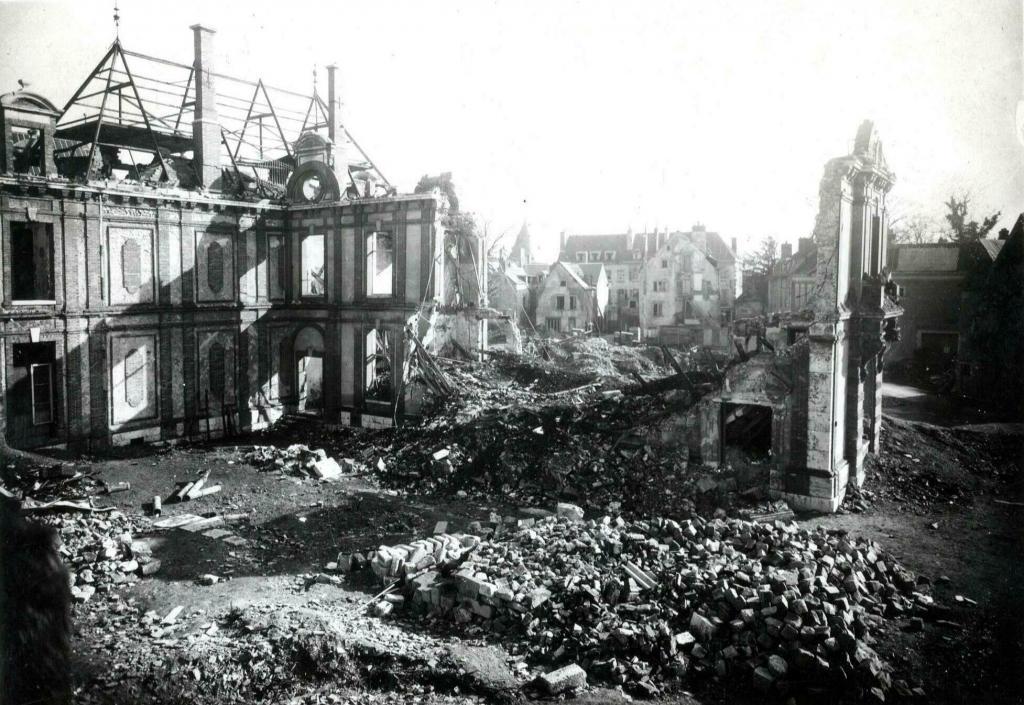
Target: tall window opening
<point x="377" y="380"/>
<point x="380" y="260"/>
<point x="313" y="280"/>
<point x="28" y="149"/>
<point x="32" y="262"/>
<point x="276" y="266"/>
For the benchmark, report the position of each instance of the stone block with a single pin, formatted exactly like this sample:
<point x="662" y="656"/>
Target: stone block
<point x="570" y="677"/>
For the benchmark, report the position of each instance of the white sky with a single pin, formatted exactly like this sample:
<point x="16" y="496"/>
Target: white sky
<point x="594" y="116"/>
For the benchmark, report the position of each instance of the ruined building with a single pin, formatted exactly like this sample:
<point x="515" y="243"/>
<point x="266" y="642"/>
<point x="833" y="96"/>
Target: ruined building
<point x="813" y="405"/>
<point x="184" y="251"/>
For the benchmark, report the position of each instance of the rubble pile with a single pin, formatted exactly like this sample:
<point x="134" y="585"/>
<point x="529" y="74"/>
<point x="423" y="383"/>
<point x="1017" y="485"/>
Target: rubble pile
<point x="298" y="459"/>
<point x="584" y="444"/>
<point x="100" y="552"/>
<point x="646" y="603"/>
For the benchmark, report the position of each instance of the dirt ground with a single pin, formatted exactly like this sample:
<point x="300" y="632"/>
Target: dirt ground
<point x="946" y="501"/>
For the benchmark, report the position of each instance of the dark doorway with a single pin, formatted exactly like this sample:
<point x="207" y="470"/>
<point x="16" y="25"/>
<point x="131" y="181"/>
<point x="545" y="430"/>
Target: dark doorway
<point x="746" y="433"/>
<point x="31" y="394"/>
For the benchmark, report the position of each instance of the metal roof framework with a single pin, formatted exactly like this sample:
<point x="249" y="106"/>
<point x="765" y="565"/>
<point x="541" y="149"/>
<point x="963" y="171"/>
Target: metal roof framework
<point x="147" y="107"/>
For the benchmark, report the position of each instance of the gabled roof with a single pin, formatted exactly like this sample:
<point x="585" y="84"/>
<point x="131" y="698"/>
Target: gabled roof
<point x="709" y="243"/>
<point x="522" y="243"/>
<point x="590" y="269"/>
<point x="571" y="270"/>
<point x="992" y="247"/>
<point x="534" y="269"/>
<point x="1012" y="253"/>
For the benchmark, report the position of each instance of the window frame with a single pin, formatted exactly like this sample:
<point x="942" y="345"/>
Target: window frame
<point x="32" y="384"/>
<point x="29" y="226"/>
<point x="367" y="278"/>
<point x="302" y="266"/>
<point x="390" y="347"/>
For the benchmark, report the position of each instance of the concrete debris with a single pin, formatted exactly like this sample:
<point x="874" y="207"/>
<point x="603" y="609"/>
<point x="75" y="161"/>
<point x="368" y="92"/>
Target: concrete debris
<point x="300" y="460"/>
<point x="570" y="677"/>
<point x="641" y="603"/>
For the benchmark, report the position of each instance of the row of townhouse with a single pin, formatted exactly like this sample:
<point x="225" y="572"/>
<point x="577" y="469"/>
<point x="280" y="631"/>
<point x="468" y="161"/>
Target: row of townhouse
<point x="678" y="288"/>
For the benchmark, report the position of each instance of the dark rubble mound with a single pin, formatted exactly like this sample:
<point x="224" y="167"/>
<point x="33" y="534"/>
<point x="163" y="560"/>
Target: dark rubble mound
<point x="659" y="604"/>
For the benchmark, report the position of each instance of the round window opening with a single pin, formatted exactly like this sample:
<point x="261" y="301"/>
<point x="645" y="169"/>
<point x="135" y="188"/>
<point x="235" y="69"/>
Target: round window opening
<point x="312" y="188"/>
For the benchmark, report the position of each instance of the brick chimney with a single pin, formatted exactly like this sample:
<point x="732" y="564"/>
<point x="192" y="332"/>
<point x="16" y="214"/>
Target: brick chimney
<point x="205" y="125"/>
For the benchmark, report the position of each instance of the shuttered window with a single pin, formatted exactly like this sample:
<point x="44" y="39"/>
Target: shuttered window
<point x="215" y="267"/>
<point x="131" y="265"/>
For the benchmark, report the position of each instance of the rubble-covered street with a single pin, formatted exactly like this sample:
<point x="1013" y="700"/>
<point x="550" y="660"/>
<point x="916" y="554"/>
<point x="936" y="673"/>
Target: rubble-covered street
<point x="528" y="541"/>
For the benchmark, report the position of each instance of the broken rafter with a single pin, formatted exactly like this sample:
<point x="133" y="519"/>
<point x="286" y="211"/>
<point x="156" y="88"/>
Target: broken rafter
<point x="145" y="116"/>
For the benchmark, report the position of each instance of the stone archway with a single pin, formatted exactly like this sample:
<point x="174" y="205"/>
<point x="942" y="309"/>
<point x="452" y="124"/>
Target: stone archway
<point x="309" y="370"/>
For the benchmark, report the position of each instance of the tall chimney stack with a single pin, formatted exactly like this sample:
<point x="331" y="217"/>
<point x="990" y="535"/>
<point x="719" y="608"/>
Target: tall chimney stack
<point x="331" y="115"/>
<point x="205" y="125"/>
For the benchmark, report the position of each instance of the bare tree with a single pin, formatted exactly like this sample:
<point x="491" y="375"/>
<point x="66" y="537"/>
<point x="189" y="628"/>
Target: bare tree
<point x="960" y="228"/>
<point x="763" y="258"/>
<point x="913" y="229"/>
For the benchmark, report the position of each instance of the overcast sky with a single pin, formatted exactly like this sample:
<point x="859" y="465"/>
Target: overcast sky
<point x="596" y="116"/>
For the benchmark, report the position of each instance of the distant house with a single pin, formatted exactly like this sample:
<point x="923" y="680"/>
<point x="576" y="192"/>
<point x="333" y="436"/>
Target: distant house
<point x="688" y="290"/>
<point x="792" y="280"/>
<point x="936" y="279"/>
<point x="566" y="301"/>
<point x="753" y="300"/>
<point x="535" y="274"/>
<point x="622" y="256"/>
<point x="507" y="289"/>
<point x="991" y="356"/>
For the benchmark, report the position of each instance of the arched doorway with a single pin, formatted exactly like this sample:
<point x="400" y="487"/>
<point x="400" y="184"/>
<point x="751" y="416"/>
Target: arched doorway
<point x="309" y="369"/>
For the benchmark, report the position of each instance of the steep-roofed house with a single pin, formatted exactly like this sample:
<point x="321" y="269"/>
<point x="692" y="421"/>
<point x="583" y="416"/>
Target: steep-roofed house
<point x="622" y="263"/>
<point x="990" y="356"/>
<point x="567" y="302"/>
<point x="937" y="279"/>
<point x="507" y="290"/>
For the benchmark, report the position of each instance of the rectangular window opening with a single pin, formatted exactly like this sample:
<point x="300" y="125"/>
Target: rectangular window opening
<point x="32" y="263"/>
<point x="380" y="260"/>
<point x="27" y="144"/>
<point x="377" y="381"/>
<point x="313" y="270"/>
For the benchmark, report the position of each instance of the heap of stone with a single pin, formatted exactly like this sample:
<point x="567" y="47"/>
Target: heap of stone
<point x="644" y="602"/>
<point x="297" y="459"/>
<point x="100" y="552"/>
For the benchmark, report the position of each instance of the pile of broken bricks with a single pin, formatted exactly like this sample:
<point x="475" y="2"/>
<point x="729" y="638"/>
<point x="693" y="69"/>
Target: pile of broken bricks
<point x="298" y="459"/>
<point x="645" y="603"/>
<point x="101" y="552"/>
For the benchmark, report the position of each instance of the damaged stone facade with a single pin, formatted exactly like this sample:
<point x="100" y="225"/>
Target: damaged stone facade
<point x="822" y="383"/>
<point x="141" y="311"/>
